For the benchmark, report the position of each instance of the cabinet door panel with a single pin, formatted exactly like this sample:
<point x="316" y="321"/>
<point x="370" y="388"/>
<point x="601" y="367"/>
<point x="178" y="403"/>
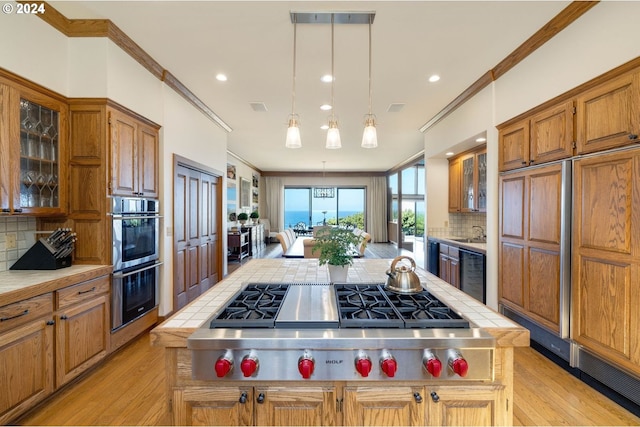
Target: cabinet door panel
<point x="455" y="185"/>
<point x="552" y="134"/>
<point x="458" y="406"/>
<point x="512" y="213"/>
<point x="382" y="406"/>
<point x="543" y="289"/>
<point x="512" y="275"/>
<point x="545" y="189"/>
<point x="514" y="146"/>
<point x="220" y="406"/>
<point x="608" y="114"/>
<point x="26" y="368"/>
<point x="307" y="406"/>
<point x="148" y="162"/>
<point x="123" y="155"/>
<point x="82" y="337"/>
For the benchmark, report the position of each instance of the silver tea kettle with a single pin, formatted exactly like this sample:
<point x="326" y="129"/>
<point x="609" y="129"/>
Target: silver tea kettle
<point x="403" y="280"/>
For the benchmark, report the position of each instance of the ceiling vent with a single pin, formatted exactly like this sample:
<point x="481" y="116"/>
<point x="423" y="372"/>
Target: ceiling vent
<point x="395" y="108"/>
<point x="258" y="106"/>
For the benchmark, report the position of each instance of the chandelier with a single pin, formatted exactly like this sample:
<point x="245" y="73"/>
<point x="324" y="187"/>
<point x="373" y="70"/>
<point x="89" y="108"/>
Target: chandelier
<point x="324" y="192"/>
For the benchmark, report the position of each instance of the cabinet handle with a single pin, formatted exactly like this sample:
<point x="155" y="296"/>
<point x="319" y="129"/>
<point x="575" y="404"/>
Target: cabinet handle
<point x="87" y="291"/>
<point x="243" y="397"/>
<point x="417" y="397"/>
<point x="633" y="136"/>
<point x="51" y="322"/>
<point x="435" y="397"/>
<point x="524" y="163"/>
<point x="64" y="317"/>
<point x="6" y="210"/>
<point x="260" y="398"/>
<point x="24" y="313"/>
<point x="531" y="161"/>
<point x="18" y="210"/>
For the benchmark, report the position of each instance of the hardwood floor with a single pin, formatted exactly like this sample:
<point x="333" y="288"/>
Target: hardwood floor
<point x="128" y="389"/>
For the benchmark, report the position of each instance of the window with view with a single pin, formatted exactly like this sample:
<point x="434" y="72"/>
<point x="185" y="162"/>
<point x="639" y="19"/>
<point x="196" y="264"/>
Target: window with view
<point x="345" y="208"/>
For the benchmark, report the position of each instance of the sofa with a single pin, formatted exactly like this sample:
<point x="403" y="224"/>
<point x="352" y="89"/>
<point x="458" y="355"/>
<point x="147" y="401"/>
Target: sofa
<point x="309" y="244"/>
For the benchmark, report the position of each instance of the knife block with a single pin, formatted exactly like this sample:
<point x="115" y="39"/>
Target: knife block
<point x="40" y="257"/>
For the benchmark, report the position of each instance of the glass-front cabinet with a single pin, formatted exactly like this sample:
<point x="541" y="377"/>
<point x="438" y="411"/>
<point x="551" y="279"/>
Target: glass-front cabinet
<point x="468" y="181"/>
<point x="32" y="142"/>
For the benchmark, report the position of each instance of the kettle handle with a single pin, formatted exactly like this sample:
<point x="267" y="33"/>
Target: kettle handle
<point x="398" y="258"/>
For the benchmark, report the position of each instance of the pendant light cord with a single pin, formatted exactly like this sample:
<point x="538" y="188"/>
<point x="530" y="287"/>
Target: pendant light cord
<point x="333" y="77"/>
<point x="370" y="92"/>
<point x="293" y="89"/>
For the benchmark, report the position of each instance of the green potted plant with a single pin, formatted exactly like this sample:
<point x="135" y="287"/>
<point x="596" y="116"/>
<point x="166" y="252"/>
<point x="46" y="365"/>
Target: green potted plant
<point x="242" y="217"/>
<point x="254" y="216"/>
<point x="337" y="247"/>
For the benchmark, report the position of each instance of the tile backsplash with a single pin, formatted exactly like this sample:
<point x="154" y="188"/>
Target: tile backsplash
<point x="22" y="230"/>
<point x="460" y="225"/>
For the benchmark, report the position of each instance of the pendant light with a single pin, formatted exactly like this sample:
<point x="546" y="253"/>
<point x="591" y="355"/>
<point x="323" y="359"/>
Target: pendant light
<point x="369" y="136"/>
<point x="324" y="192"/>
<point x="333" y="134"/>
<point x="293" y="132"/>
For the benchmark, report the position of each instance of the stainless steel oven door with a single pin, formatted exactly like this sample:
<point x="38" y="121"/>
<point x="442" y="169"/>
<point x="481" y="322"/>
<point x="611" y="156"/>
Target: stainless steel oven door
<point x="135" y="239"/>
<point x="134" y="292"/>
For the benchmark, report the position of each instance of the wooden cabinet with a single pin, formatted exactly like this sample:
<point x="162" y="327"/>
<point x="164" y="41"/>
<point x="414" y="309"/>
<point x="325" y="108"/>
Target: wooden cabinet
<point x="256" y="238"/>
<point x="246" y="406"/>
<point x="33" y="142"/>
<point x="450" y="264"/>
<point x="384" y="406"/>
<point x="466" y="406"/>
<point x="134" y="156"/>
<point x="112" y="151"/>
<point x="608" y="115"/>
<point x="606" y="257"/>
<point x="468" y="181"/>
<point x="530" y="221"/>
<point x="26" y="355"/>
<point x="541" y="138"/>
<point x="197" y="262"/>
<point x="82" y="327"/>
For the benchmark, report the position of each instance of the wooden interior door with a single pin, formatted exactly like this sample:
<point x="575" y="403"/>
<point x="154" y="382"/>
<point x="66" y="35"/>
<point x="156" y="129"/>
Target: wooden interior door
<point x="197" y="224"/>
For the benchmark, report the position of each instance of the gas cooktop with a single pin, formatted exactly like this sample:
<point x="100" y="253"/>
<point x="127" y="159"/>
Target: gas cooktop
<point x="341" y="305"/>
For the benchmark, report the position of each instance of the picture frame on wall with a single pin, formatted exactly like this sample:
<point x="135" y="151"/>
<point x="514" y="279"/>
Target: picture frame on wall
<point x="231" y="171"/>
<point x="245" y="189"/>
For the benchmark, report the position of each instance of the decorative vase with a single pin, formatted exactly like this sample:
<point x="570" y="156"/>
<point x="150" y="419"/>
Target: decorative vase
<point x="338" y="273"/>
<point x="242" y="221"/>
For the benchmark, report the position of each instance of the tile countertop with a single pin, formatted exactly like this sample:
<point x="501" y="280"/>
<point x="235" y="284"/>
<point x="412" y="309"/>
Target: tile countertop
<point x="194" y="315"/>
<point x="449" y="240"/>
<point x="17" y="285"/>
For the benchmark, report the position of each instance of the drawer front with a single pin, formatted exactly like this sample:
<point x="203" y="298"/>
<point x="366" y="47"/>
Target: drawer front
<point x="82" y="291"/>
<point x="21" y="312"/>
<point x="444" y="249"/>
<point x="454" y="252"/>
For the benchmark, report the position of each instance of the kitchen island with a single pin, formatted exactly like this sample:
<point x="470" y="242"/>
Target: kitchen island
<point x="416" y="401"/>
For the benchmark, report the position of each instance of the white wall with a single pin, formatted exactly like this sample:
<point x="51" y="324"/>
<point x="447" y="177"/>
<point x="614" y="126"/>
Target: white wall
<point x="96" y="67"/>
<point x="596" y="43"/>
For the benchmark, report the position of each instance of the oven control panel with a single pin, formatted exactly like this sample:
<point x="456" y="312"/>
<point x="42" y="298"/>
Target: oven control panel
<point x="450" y="364"/>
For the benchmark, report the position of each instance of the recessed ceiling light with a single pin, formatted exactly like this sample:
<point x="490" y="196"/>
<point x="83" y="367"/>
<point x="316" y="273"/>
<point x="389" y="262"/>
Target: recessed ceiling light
<point x="221" y="77"/>
<point x="481" y="139"/>
<point x="325" y="107"/>
<point x="324" y="127"/>
<point x="449" y="153"/>
<point x="434" y="78"/>
<point x="326" y="78"/>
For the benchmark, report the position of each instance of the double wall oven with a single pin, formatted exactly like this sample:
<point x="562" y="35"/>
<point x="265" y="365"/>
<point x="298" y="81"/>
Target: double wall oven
<point x="136" y="235"/>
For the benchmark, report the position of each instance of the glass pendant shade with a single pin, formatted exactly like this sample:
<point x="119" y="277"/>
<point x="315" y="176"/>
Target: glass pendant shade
<point x="370" y="135"/>
<point x="293" y="134"/>
<point x="333" y="136"/>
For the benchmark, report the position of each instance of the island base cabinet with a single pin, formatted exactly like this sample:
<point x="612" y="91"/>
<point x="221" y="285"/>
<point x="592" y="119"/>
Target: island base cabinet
<point x="26" y="367"/>
<point x="466" y="406"/>
<point x="82" y="328"/>
<point x="219" y="406"/>
<point x="384" y="406"/>
<point x="247" y="406"/>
